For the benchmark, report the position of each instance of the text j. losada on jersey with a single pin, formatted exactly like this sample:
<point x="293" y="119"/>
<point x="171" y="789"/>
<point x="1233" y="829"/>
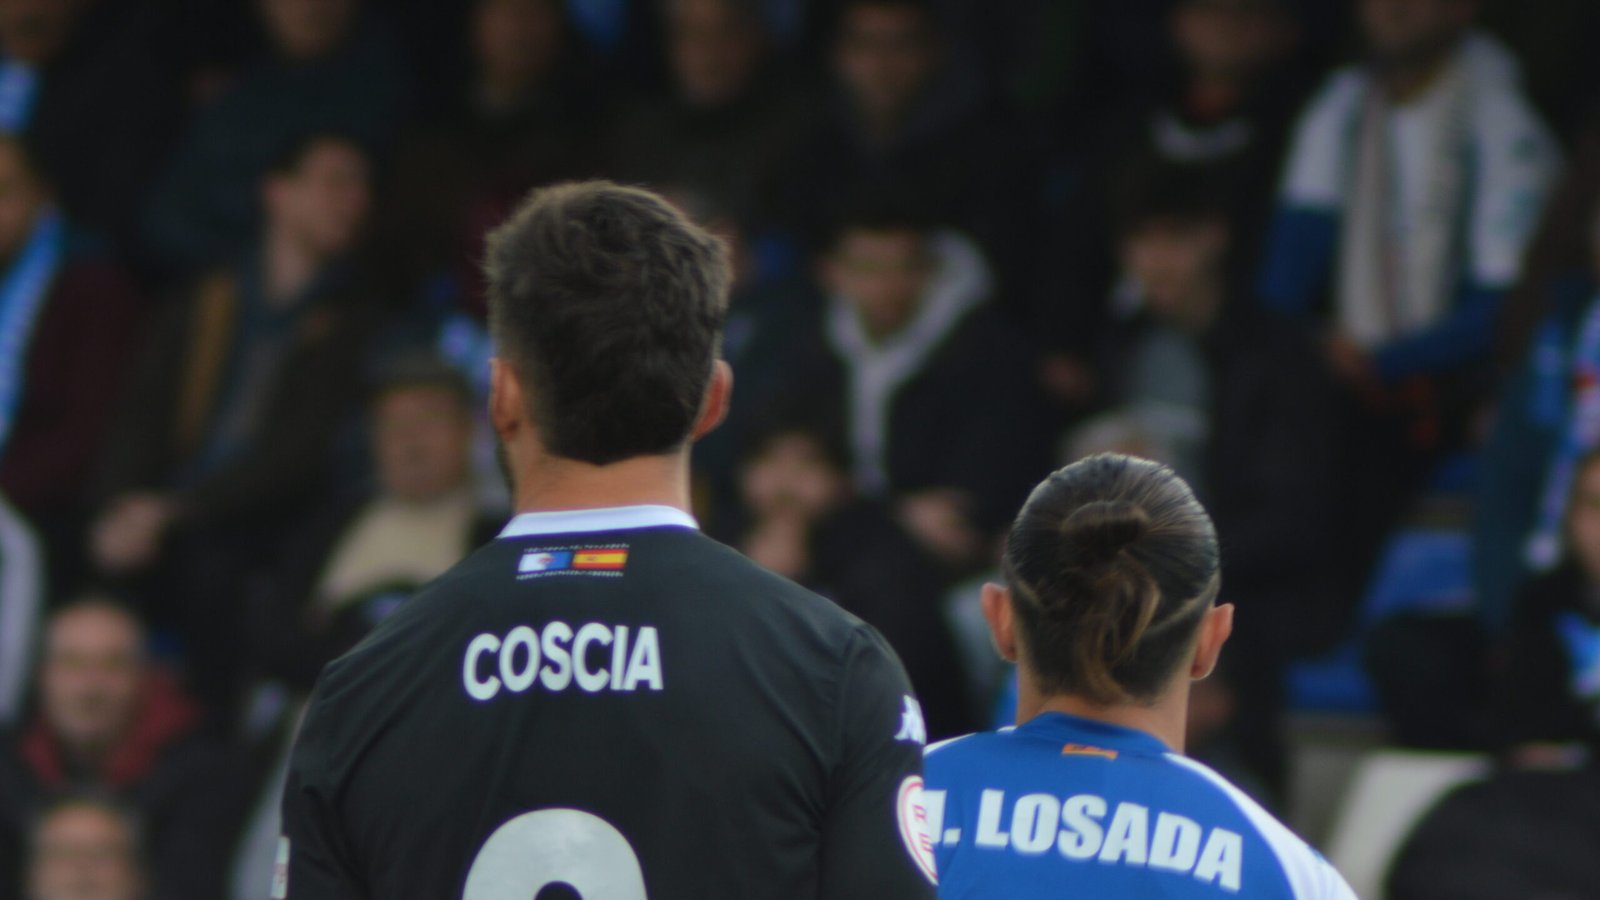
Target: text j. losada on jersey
<point x="594" y="657"/>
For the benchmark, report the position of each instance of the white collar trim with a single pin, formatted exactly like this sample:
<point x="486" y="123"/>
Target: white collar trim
<point x="581" y="521"/>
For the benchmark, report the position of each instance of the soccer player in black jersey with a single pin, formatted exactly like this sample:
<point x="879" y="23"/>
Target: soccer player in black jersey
<point x="603" y="703"/>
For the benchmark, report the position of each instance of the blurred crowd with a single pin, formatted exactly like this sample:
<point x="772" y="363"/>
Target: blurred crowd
<point x="1336" y="261"/>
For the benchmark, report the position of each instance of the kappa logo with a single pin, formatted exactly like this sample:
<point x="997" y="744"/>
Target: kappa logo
<point x="608" y="560"/>
<point x="911" y="726"/>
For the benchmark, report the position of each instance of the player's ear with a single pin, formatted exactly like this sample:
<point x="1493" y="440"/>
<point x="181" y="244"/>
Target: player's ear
<point x="1214" y="631"/>
<point x="506" y="407"/>
<point x="719" y="393"/>
<point x="1002" y="621"/>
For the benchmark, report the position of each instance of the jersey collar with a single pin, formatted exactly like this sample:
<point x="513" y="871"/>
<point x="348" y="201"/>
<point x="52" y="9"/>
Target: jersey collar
<point x="1059" y="727"/>
<point x="583" y="521"/>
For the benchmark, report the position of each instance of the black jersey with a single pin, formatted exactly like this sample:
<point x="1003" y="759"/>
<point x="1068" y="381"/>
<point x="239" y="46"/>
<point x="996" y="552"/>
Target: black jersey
<point x="610" y="701"/>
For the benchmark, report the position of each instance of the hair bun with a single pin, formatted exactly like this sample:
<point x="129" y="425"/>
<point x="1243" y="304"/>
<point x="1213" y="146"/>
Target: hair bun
<point x="1098" y="531"/>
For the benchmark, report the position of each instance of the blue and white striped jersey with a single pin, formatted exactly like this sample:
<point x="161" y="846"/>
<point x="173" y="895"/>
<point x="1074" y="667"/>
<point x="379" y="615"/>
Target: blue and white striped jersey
<point x="1065" y="806"/>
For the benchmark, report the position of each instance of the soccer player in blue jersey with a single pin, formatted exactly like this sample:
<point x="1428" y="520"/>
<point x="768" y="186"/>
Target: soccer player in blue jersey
<point x="1109" y="609"/>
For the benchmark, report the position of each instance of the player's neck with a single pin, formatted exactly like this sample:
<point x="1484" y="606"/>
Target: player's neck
<point x="560" y="484"/>
<point x="1166" y="718"/>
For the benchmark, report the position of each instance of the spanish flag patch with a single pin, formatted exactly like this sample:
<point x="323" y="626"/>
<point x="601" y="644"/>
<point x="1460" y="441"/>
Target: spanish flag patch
<point x="609" y="560"/>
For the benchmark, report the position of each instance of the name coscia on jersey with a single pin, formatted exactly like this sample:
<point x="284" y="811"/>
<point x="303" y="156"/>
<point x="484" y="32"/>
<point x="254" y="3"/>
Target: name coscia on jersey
<point x="595" y="656"/>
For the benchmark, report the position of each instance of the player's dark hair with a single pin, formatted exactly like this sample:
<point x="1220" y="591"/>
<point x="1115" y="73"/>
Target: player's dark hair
<point x="1111" y="564"/>
<point x="609" y="305"/>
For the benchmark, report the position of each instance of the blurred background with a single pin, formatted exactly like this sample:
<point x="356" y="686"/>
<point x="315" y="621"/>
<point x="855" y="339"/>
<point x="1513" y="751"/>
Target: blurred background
<point x="1335" y="261"/>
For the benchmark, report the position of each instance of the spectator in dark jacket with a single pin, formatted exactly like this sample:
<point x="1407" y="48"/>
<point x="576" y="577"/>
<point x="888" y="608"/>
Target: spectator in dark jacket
<point x="527" y="115"/>
<point x="728" y="116"/>
<point x="901" y="115"/>
<point x="228" y="428"/>
<point x="329" y="68"/>
<point x="84" y="76"/>
<point x="359" y="557"/>
<point x="940" y="413"/>
<point x="71" y="321"/>
<point x="805" y="522"/>
<point x="1245" y="413"/>
<point x="109" y="722"/>
<point x="1549" y="697"/>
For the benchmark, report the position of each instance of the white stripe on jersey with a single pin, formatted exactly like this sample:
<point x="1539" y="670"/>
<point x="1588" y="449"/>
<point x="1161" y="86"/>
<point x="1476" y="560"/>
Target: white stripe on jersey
<point x="586" y="521"/>
<point x="940" y="745"/>
<point x="1310" y="876"/>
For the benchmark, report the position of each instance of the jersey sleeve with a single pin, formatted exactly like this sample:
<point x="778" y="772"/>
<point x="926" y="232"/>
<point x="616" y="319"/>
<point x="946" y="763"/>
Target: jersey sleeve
<point x="314" y="862"/>
<point x="875" y="839"/>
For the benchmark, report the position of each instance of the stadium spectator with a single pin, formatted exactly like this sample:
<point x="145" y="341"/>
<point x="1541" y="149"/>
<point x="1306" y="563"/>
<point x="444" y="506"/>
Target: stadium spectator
<point x="1414" y="181"/>
<point x="69" y="324"/>
<point x="85" y="849"/>
<point x="934" y="389"/>
<point x="108" y="721"/>
<point x="729" y="115"/>
<point x="78" y="76"/>
<point x="901" y="116"/>
<point x="1549" y="689"/>
<point x="329" y="68"/>
<point x="354" y="562"/>
<point x="22" y="595"/>
<point x="526" y="115"/>
<point x="768" y="306"/>
<point x="1250" y="420"/>
<point x="1228" y="109"/>
<point x="361" y="556"/>
<point x="806" y="523"/>
<point x="228" y="427"/>
<point x="1548" y="408"/>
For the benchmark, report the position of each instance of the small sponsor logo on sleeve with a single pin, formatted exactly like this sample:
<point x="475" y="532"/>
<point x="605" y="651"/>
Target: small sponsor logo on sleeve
<point x="911" y="726"/>
<point x="912" y="813"/>
<point x="598" y="560"/>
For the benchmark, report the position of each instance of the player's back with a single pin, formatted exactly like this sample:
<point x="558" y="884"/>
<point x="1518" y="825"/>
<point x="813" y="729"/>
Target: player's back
<point x="1065" y="806"/>
<point x="632" y="711"/>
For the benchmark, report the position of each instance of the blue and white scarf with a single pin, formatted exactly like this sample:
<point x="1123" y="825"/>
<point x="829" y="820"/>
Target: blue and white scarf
<point x="23" y="290"/>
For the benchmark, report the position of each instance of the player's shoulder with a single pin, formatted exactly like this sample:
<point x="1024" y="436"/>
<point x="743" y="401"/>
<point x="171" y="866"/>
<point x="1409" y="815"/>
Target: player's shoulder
<point x="951" y="760"/>
<point x="1309" y="875"/>
<point x="723" y="572"/>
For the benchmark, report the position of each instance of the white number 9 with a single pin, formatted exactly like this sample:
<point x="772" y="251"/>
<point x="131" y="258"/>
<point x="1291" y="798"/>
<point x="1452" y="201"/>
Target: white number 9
<point x="556" y="846"/>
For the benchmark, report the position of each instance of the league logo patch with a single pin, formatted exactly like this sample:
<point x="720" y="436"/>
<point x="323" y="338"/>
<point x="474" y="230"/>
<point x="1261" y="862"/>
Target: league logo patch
<point x="914" y="827"/>
<point x="606" y="560"/>
<point x="280" y="870"/>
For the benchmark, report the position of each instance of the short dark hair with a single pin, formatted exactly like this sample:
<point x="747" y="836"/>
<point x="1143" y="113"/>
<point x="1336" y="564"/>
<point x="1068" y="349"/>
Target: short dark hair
<point x="1152" y="191"/>
<point x="608" y="303"/>
<point x="923" y="8"/>
<point x="1111" y="563"/>
<point x="885" y="208"/>
<point x="291" y="155"/>
<point x="420" y="370"/>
